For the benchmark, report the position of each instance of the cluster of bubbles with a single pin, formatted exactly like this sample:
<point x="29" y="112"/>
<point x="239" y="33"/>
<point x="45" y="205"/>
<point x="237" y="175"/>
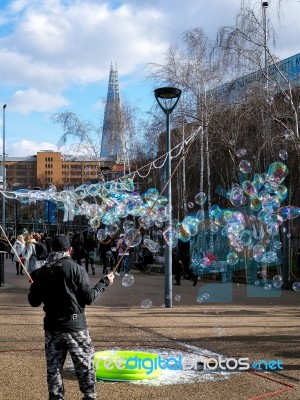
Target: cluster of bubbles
<point x="108" y="204"/>
<point x="203" y="297"/>
<point x="263" y="195"/>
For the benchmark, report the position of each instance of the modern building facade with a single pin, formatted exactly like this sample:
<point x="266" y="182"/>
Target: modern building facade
<point x="113" y="125"/>
<point x="50" y="167"/>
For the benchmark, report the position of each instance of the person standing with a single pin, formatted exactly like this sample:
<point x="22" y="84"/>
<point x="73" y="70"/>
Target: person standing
<point x="90" y="246"/>
<point x="64" y="288"/>
<point x="78" y="252"/>
<point x="123" y="256"/>
<point x="177" y="267"/>
<point x="17" y="251"/>
<point x="32" y="264"/>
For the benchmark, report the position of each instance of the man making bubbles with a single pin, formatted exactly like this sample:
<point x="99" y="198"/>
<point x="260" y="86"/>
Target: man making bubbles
<point x="64" y="288"/>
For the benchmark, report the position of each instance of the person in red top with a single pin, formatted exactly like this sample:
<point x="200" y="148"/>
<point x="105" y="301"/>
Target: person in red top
<point x="208" y="258"/>
<point x="211" y="257"/>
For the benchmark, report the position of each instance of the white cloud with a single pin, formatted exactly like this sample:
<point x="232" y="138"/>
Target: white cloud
<point x="25" y="101"/>
<point x="53" y="44"/>
<point x="25" y="148"/>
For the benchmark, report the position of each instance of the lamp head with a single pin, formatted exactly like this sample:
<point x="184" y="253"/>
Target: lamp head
<point x="167" y="98"/>
<point x="4" y="105"/>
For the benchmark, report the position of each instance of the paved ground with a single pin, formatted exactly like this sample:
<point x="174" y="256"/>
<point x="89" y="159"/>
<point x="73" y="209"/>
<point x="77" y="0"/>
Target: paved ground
<point x="236" y="321"/>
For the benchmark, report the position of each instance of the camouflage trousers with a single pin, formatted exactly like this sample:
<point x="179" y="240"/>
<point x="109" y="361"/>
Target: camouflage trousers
<point x="80" y="347"/>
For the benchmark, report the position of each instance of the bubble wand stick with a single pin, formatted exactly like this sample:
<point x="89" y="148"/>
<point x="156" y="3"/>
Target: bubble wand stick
<point x="151" y="208"/>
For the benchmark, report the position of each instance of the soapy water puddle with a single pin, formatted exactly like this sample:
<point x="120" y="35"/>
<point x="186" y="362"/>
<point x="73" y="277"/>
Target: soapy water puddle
<point x="193" y="370"/>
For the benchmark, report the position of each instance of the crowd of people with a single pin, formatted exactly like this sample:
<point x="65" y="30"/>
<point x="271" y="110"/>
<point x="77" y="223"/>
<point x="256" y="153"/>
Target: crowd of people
<point x="114" y="254"/>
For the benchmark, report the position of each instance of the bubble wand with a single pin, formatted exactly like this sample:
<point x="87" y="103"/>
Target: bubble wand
<point x="151" y="208"/>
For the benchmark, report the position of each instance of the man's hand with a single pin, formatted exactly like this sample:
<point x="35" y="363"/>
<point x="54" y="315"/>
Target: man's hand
<point x="111" y="276"/>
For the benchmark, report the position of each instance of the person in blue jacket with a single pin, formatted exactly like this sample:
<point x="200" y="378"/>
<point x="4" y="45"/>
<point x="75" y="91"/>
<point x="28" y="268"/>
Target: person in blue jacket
<point x="63" y="287"/>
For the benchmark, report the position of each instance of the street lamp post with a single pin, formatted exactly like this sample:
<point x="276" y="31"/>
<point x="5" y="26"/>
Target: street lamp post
<point x="3" y="170"/>
<point x="167" y="98"/>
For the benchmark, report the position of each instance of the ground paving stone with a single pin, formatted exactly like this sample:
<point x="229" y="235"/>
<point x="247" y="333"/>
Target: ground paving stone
<point x="262" y="327"/>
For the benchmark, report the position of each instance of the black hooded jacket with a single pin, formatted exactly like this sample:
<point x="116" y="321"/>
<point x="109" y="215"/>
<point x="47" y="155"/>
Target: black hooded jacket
<point x="64" y="289"/>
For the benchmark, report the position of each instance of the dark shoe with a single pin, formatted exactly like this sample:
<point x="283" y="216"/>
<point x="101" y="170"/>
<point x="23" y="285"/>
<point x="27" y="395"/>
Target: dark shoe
<point x="21" y="273"/>
<point x="93" y="272"/>
<point x="178" y="284"/>
<point x="195" y="283"/>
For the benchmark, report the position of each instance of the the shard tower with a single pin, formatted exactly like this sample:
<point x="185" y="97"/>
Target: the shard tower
<point x="113" y="124"/>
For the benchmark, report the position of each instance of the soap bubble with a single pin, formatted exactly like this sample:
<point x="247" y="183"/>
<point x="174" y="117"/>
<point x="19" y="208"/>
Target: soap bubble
<point x="111" y="229"/>
<point x="219" y="331"/>
<point x="133" y="237"/>
<point x="92" y="255"/>
<point x="95" y="222"/>
<point x="200" y="216"/>
<point x="183" y="232"/>
<point x="258" y="252"/>
<point x="214" y="211"/>
<point x="245" y="167"/>
<point x="289" y="212"/>
<point x="200" y="299"/>
<point x="296" y="286"/>
<point x="288" y="134"/>
<point x="277" y="281"/>
<point x="206" y="296"/>
<point x="283" y="154"/>
<point x="249" y="188"/>
<point x="256" y="283"/>
<point x="147" y="303"/>
<point x="128" y="225"/>
<point x="268" y="286"/>
<point x="178" y="297"/>
<point x="232" y="258"/>
<point x="101" y="234"/>
<point x="191" y="204"/>
<point x="200" y="198"/>
<point x="277" y="244"/>
<point x="171" y="237"/>
<point x="277" y="172"/>
<point x="128" y="281"/>
<point x="241" y="152"/>
<point x="151" y="245"/>
<point x="190" y="224"/>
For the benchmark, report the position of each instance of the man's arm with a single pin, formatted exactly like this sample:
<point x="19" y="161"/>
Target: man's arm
<point x="34" y="295"/>
<point x="88" y="295"/>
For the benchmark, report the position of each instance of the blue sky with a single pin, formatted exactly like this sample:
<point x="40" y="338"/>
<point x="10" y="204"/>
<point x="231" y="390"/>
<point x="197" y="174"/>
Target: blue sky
<point x="55" y="55"/>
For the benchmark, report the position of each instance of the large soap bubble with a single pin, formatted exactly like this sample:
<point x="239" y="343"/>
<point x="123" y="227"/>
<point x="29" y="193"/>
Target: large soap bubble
<point x="128" y="224"/>
<point x="258" y="252"/>
<point x="191" y="224"/>
<point x="147" y="303"/>
<point x="277" y="172"/>
<point x="296" y="286"/>
<point x="171" y="237"/>
<point x="128" y="280"/>
<point x="183" y="232"/>
<point x="133" y="237"/>
<point x="232" y="258"/>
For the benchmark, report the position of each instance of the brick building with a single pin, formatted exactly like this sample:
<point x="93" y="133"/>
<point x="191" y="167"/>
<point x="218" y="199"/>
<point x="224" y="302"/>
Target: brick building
<point x="48" y="167"/>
